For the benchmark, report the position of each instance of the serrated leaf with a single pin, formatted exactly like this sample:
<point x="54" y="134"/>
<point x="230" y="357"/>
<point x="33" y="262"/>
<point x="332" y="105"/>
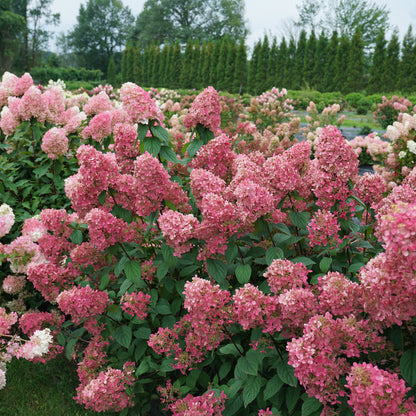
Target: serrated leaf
<point x="286" y="373"/>
<point x="76" y="237"/>
<point x="143" y="367"/>
<point x="251" y="389"/>
<point x="299" y="219"/>
<point x="230" y="349"/>
<point x="408" y="366"/>
<point x="142" y="333"/>
<point x="217" y="270"/>
<point x="162" y="270"/>
<point x="224" y="369"/>
<point x="194" y="146"/>
<point x="248" y="366"/>
<point x="305" y="260"/>
<point x="142" y="130"/>
<point x="272" y="387"/>
<point x="160" y="133"/>
<point x="152" y="145"/>
<point x="355" y="267"/>
<point x="133" y="271"/>
<point x="120" y="212"/>
<point x="102" y="197"/>
<point x="163" y="307"/>
<point x="292" y="397"/>
<point x="274" y="253"/>
<point x="204" y="133"/>
<point x="243" y="273"/>
<point x="123" y="336"/>
<point x="104" y="280"/>
<point x="310" y="405"/>
<point x="168" y="154"/>
<point x="325" y="264"/>
<point x="283" y="228"/>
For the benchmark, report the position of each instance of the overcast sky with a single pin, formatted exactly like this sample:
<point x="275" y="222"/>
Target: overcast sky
<point x="263" y="16"/>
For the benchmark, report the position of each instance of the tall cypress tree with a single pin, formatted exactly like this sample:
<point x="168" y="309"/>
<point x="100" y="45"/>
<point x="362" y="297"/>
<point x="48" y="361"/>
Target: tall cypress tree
<point x="408" y="62"/>
<point x="130" y="63"/>
<point x="299" y="60"/>
<point x="263" y="66"/>
<point x="355" y="68"/>
<point x="375" y="81"/>
<point x="309" y="60"/>
<point x="252" y="70"/>
<point x="392" y="63"/>
<point x="330" y="66"/>
<point x="341" y="64"/>
<point x="138" y="65"/>
<point x="240" y="73"/>
<point x="202" y="59"/>
<point x="281" y="64"/>
<point x="213" y="79"/>
<point x="124" y="64"/>
<point x="222" y="64"/>
<point x="288" y="80"/>
<point x="320" y="61"/>
<point x="272" y="72"/>
<point x="230" y="66"/>
<point x="186" y="80"/>
<point x="206" y="66"/>
<point x="176" y="67"/>
<point x="111" y="72"/>
<point x="146" y="63"/>
<point x="155" y="67"/>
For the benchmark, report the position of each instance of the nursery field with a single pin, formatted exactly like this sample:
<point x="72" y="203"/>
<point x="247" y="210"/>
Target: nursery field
<point x="181" y="253"/>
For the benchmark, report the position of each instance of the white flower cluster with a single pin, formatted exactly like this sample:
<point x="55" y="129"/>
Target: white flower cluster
<point x="411" y="145"/>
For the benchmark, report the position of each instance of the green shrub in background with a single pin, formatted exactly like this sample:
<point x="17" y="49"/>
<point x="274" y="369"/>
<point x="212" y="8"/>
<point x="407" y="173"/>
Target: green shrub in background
<point x="45" y="73"/>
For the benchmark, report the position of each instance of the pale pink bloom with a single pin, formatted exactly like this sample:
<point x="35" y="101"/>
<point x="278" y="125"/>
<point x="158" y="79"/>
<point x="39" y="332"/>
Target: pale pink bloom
<point x="97" y="104"/>
<point x="31" y="105"/>
<point x="13" y="284"/>
<point x="7" y="320"/>
<point x="135" y="304"/>
<point x="53" y="102"/>
<point x="33" y="228"/>
<point x="6" y="219"/>
<point x="99" y="127"/>
<point x="37" y="345"/>
<point x="55" y="143"/>
<point x="8" y="121"/>
<point x="2" y="378"/>
<point x="21" y="253"/>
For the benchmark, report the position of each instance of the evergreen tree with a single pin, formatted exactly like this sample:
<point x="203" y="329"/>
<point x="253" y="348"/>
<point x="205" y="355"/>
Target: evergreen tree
<point x="355" y="68"/>
<point x="252" y="70"/>
<point x="299" y="61"/>
<point x="408" y="63"/>
<point x="375" y="81"/>
<point x="130" y="64"/>
<point x="124" y="64"/>
<point x="330" y="66"/>
<point x="309" y="60"/>
<point x="195" y="68"/>
<point x="206" y="65"/>
<point x="138" y="66"/>
<point x="341" y="64"/>
<point x="155" y="81"/>
<point x="111" y="72"/>
<point x="176" y="67"/>
<point x="202" y="58"/>
<point x="161" y="69"/>
<point x="281" y="64"/>
<point x="272" y="73"/>
<point x="320" y="61"/>
<point x="240" y="74"/>
<point x="288" y="80"/>
<point x="213" y="80"/>
<point x="392" y="63"/>
<point x="230" y="66"/>
<point x="186" y="80"/>
<point x="222" y="64"/>
<point x="263" y="66"/>
<point x="146" y="63"/>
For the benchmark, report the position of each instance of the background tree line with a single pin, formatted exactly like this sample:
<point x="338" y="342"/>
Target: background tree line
<point x="315" y="62"/>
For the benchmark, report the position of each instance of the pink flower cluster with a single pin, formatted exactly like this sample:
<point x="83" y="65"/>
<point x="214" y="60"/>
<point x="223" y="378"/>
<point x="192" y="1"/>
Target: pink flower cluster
<point x="108" y="391"/>
<point x="135" y="304"/>
<point x="6" y="219"/>
<point x="205" y="110"/>
<point x="377" y="392"/>
<point x="323" y="229"/>
<point x="55" y="143"/>
<point x="82" y="302"/>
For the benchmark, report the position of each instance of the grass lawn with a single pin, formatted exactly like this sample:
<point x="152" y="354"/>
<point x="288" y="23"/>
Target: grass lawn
<point x="36" y="389"/>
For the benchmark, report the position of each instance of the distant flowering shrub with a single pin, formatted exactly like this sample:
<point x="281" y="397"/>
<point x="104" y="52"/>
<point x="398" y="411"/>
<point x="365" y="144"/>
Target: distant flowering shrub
<point x="389" y="110"/>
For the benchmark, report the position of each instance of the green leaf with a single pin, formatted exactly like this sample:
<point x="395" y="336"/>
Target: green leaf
<point x="142" y="333"/>
<point x="167" y="253"/>
<point x="124" y="287"/>
<point x="204" y="133"/>
<point x="162" y="270"/>
<point x="272" y="387"/>
<point x="168" y="154"/>
<point x="76" y="237"/>
<point x="408" y="366"/>
<point x="273" y="253"/>
<point x="305" y="260"/>
<point x="230" y="349"/>
<point x="325" y="264"/>
<point x="133" y="271"/>
<point x="143" y="367"/>
<point x="163" y="307"/>
<point x="310" y="405"/>
<point x="120" y="212"/>
<point x="355" y="267"/>
<point x="299" y="219"/>
<point x="194" y="146"/>
<point x="105" y="279"/>
<point x="224" y="369"/>
<point x="142" y="130"/>
<point x="152" y="145"/>
<point x="160" y="133"/>
<point x="123" y="336"/>
<point x="292" y="397"/>
<point x="248" y="366"/>
<point x="243" y="273"/>
<point x="251" y="389"/>
<point x="286" y="373"/>
<point x="217" y="270"/>
<point x="102" y="197"/>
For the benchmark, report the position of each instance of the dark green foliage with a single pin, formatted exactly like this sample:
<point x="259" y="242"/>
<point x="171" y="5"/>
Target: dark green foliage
<point x="263" y="66"/>
<point x="111" y="72"/>
<point x="138" y="65"/>
<point x="186" y="80"/>
<point x="309" y="60"/>
<point x="281" y="65"/>
<point x="240" y="74"/>
<point x="175" y="69"/>
<point x="252" y="69"/>
<point x="299" y="61"/>
<point x="392" y="64"/>
<point x="377" y="69"/>
<point x="407" y="72"/>
<point x="341" y="64"/>
<point x="44" y="74"/>
<point x="220" y="83"/>
<point x="230" y="67"/>
<point x="320" y="61"/>
<point x="207" y="63"/>
<point x="272" y="65"/>
<point x="355" y="67"/>
<point x="330" y="67"/>
<point x="288" y="79"/>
